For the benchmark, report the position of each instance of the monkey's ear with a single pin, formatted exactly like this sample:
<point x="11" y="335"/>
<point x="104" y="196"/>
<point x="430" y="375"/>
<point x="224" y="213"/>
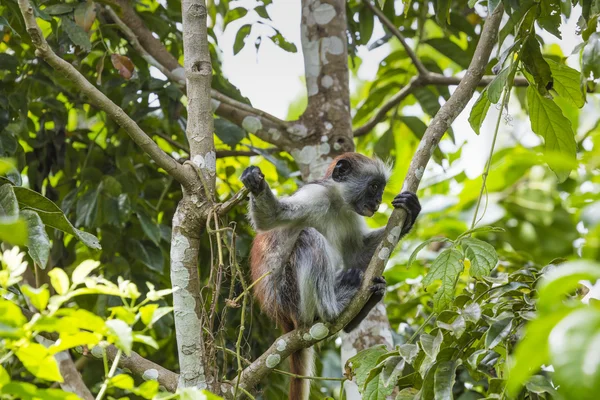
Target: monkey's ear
<point x="341" y="170"/>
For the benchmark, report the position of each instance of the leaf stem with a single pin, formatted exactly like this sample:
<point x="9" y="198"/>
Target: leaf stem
<point x="505" y="97"/>
<point x="112" y="371"/>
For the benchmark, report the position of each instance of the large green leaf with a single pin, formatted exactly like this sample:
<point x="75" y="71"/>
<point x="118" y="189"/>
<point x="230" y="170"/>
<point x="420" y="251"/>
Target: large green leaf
<point x="535" y="64"/>
<point x="38" y="241"/>
<point x="482" y="255"/>
<point x="548" y="121"/>
<point x="498" y="332"/>
<point x="13" y="231"/>
<point x="574" y="346"/>
<point x="38" y="360"/>
<point x="444" y="379"/>
<point x="52" y="215"/>
<point x="550" y="16"/>
<point x="228" y="132"/>
<point x="497" y="85"/>
<point x="564" y="279"/>
<point x="362" y="363"/>
<point x="567" y="83"/>
<point x="121" y="334"/>
<point x="446" y="267"/>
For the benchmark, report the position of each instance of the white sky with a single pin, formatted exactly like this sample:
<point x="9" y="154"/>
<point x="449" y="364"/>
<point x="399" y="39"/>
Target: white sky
<point x="272" y="78"/>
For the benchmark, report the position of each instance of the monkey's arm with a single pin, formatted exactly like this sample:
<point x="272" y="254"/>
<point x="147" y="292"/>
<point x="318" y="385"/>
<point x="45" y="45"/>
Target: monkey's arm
<point x="410" y="203"/>
<point x="268" y="212"/>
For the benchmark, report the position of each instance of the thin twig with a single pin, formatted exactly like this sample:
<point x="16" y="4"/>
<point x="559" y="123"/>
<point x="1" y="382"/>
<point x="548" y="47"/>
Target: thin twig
<point x="225" y="207"/>
<point x="246" y="290"/>
<point x="396" y="32"/>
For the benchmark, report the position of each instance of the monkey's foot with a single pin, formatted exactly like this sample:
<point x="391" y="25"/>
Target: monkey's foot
<point x="253" y="179"/>
<point x="378" y="287"/>
<point x="409" y="202"/>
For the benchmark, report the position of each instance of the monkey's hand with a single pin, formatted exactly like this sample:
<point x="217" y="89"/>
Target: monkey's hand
<point x="254" y="180"/>
<point x="378" y="291"/>
<point x="409" y="202"/>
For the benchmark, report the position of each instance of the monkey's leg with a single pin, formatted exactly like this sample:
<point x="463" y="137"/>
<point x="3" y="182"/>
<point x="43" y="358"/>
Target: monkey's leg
<point x="378" y="291"/>
<point x="316" y="264"/>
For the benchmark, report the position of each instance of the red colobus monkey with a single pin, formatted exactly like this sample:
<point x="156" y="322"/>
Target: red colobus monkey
<point x="317" y="245"/>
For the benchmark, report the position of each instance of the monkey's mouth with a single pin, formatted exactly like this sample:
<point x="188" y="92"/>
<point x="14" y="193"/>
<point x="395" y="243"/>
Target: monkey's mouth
<point x="369" y="211"/>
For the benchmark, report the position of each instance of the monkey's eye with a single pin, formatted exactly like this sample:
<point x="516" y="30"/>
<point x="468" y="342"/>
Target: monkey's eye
<point x="373" y="187"/>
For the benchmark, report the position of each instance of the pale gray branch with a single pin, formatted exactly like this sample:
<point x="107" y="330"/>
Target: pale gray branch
<point x="396" y="32"/>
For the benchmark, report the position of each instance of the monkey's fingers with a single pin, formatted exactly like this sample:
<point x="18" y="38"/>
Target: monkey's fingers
<point x="409" y="202"/>
<point x="253" y="179"/>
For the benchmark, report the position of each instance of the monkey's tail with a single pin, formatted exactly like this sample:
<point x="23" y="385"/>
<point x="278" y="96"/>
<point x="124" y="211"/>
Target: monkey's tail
<point x="301" y="363"/>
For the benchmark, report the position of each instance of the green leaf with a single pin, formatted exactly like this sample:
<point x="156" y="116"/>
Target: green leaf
<point x="77" y="35"/>
<point x="548" y="121"/>
<point x="497" y="85"/>
<point x="591" y="57"/>
<point x="38" y="241"/>
<point x="122" y="381"/>
<point x="13" y="230"/>
<point x="147" y="390"/>
<point x="574" y="347"/>
<point x="121" y="334"/>
<point x="151" y="230"/>
<point x="472" y="313"/>
<point x="362" y="363"/>
<point x="83" y="270"/>
<point x="567" y="83"/>
<point x="482" y="255"/>
<point x="540" y="384"/>
<point x="234" y="14"/>
<point x="38" y="360"/>
<point x="72" y="340"/>
<point x="535" y="64"/>
<point x="58" y="9"/>
<point x="147" y="340"/>
<point x="428" y="99"/>
<point x="446" y="267"/>
<point x="420" y="247"/>
<point x="457" y="327"/>
<point x="11" y="314"/>
<point x="146" y="313"/>
<point x="52" y="215"/>
<point x="148" y="254"/>
<point x="479" y="111"/>
<point x="409" y="352"/>
<point x="451" y="50"/>
<point x="9" y="207"/>
<point x="444" y="379"/>
<point x="38" y="296"/>
<point x="498" y="332"/>
<point x="280" y="41"/>
<point x="564" y="279"/>
<point x="549" y="18"/>
<point x="59" y="280"/>
<point x="442" y="12"/>
<point x="431" y="344"/>
<point x="228" y="132"/>
<point x="240" y="38"/>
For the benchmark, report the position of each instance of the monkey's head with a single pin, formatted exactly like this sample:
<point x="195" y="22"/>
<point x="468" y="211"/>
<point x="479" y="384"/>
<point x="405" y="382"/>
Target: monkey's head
<point x="361" y="181"/>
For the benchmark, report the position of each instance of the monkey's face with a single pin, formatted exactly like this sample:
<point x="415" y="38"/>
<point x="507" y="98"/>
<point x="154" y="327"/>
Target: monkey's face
<point x="367" y="200"/>
<point x="361" y="185"/>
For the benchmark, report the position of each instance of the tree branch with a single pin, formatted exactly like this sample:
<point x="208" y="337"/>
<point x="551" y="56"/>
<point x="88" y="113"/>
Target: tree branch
<point x="152" y="50"/>
<point x="396" y="32"/>
<point x="99" y="100"/>
<point x="303" y="338"/>
<point x="419" y="81"/>
<point x="425" y="77"/>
